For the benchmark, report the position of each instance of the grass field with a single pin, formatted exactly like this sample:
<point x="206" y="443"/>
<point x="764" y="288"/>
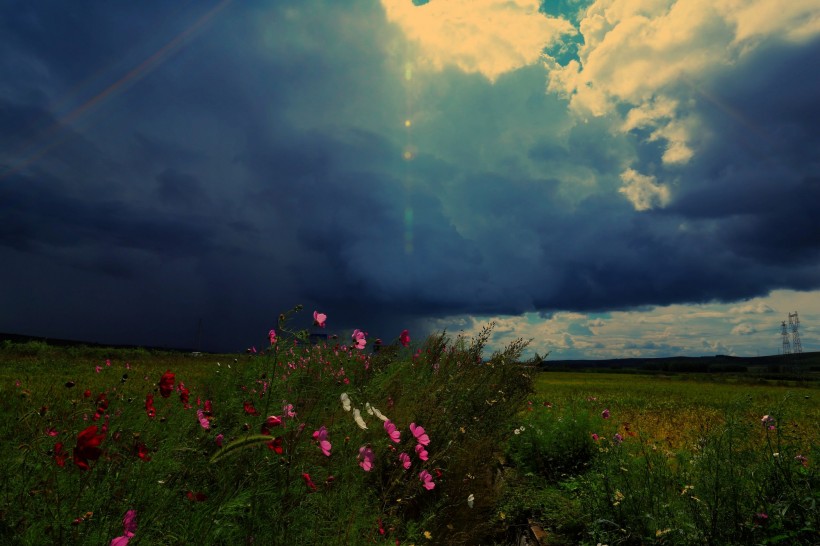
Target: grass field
<point x="230" y="450"/>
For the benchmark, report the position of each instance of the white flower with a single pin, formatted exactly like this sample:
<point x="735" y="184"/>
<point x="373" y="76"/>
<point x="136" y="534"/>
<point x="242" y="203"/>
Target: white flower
<point x="357" y="416"/>
<point x="470" y="500"/>
<point x="345" y="401"/>
<point x="373" y="411"/>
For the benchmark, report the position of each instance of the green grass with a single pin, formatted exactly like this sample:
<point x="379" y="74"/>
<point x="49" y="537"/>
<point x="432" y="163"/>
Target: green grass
<point x="693" y="465"/>
<point x="188" y="490"/>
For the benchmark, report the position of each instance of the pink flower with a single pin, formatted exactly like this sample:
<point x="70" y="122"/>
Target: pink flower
<point x="288" y="411"/>
<point x="129" y="526"/>
<point x="97" y="369"/>
<point x="420" y="435"/>
<point x="426" y="480"/>
<point x="617" y="438"/>
<point x="421" y="452"/>
<point x="219" y="439"/>
<point x="767" y="421"/>
<point x="802" y="459"/>
<point x="321" y="437"/>
<point x="272" y="336"/>
<point x="108" y="363"/>
<point x="392" y="431"/>
<point x="595" y="437"/>
<point x="404" y="338"/>
<point x="359" y="338"/>
<point x="404" y="458"/>
<point x="366" y="458"/>
<point x="203" y="421"/>
<point x="605" y="413"/>
<point x="319" y="319"/>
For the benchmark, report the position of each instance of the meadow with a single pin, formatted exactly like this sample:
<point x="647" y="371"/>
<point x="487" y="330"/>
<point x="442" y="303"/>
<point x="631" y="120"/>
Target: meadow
<point x="421" y="442"/>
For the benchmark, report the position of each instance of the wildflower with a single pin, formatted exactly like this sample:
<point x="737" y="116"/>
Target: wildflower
<point x="470" y="500"/>
<point x="428" y="535"/>
<point x="605" y="413"/>
<point x="60" y="454"/>
<point x="219" y="439"/>
<point x="426" y="480"/>
<point x="420" y="435"/>
<point x="392" y="431"/>
<point x="166" y="384"/>
<point x="345" y="401"/>
<point x="87" y="393"/>
<point x="802" y="460"/>
<point x="249" y="409"/>
<point x="97" y="369"/>
<point x="321" y="437"/>
<point x="88" y="447"/>
<point x="365" y="458"/>
<point x="359" y="338"/>
<point x="195" y="497"/>
<point x="319" y="319"/>
<point x="595" y="437"/>
<point x="617" y="438"/>
<point x="129" y="529"/>
<point x="149" y="406"/>
<point x="767" y="420"/>
<point x="141" y="451"/>
<point x="404" y="338"/>
<point x="421" y="452"/>
<point x="308" y="481"/>
<point x="184" y="395"/>
<point x="761" y="518"/>
<point x="357" y="416"/>
<point x="203" y="421"/>
<point x="51" y="431"/>
<point x="270" y="422"/>
<point x="288" y="411"/>
<point x="272" y="336"/>
<point x="373" y="411"/>
<point x="404" y="459"/>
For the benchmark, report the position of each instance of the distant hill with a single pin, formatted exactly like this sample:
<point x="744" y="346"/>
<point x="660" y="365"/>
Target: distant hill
<point x="801" y="362"/>
<point x="57" y="342"/>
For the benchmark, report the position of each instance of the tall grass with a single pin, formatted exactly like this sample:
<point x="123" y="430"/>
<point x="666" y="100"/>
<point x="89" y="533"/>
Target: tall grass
<point x="269" y="482"/>
<point x="741" y="474"/>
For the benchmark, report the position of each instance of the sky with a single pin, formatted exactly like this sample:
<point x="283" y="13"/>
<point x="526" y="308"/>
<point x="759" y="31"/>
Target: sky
<point x="609" y="178"/>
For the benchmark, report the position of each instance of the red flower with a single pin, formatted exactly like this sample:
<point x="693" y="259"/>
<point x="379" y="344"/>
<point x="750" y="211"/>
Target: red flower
<point x="60" y="455"/>
<point x="149" y="406"/>
<point x="87" y="393"/>
<point x="276" y="445"/>
<point x="166" y="384"/>
<point x="184" y="394"/>
<point x="195" y="497"/>
<point x="249" y="409"/>
<point x="270" y="422"/>
<point x="308" y="482"/>
<point x="88" y="447"/>
<point x="141" y="451"/>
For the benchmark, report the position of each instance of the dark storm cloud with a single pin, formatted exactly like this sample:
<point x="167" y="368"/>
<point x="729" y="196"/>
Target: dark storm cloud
<point x="261" y="165"/>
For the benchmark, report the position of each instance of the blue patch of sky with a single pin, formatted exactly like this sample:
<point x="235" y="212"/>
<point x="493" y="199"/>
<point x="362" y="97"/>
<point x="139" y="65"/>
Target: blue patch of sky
<point x="566" y="49"/>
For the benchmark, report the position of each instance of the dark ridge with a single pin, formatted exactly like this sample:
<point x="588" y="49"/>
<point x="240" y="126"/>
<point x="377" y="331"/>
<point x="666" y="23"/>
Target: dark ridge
<point x="57" y="342"/>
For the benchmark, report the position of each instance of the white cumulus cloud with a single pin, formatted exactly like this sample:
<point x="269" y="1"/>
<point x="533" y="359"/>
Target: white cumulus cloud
<point x="489" y="37"/>
<point x="643" y="191"/>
